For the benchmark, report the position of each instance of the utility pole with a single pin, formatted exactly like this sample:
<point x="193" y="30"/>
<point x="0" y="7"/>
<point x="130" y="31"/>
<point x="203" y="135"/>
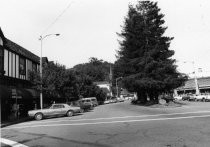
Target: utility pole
<point x="110" y="80"/>
<point x="197" y="91"/>
<point x="41" y="95"/>
<point x="117" y="85"/>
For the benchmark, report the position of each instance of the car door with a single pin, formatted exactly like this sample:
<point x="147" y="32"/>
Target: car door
<point x="63" y="109"/>
<point x="48" y="111"/>
<point x="55" y="110"/>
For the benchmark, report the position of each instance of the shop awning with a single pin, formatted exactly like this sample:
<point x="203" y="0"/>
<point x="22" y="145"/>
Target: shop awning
<point x="19" y="93"/>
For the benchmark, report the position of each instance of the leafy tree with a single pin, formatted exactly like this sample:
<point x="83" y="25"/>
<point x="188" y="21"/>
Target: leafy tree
<point x="57" y="82"/>
<point x="144" y="58"/>
<point x="88" y="89"/>
<point x="61" y="84"/>
<point x="71" y="86"/>
<point x="53" y="79"/>
<point x="97" y="70"/>
<point x="94" y="71"/>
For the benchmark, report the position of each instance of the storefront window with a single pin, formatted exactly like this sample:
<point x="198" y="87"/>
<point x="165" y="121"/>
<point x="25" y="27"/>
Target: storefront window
<point x="34" y="67"/>
<point x="22" y="67"/>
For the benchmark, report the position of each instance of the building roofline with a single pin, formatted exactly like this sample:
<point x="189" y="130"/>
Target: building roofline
<point x="203" y="82"/>
<point x="20" y="50"/>
<point x="14" y="47"/>
<point x="2" y="35"/>
<point x="200" y="78"/>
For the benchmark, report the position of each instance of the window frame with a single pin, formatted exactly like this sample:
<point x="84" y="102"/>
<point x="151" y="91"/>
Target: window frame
<point x="22" y="72"/>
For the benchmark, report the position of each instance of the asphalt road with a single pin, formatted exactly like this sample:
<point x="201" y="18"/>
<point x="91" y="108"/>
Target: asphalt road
<point x="118" y="125"/>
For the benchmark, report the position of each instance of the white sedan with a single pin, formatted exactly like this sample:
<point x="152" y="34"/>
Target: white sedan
<point x="200" y="97"/>
<point x="207" y="98"/>
<point x="178" y="98"/>
<point x="106" y="102"/>
<point x="54" y="110"/>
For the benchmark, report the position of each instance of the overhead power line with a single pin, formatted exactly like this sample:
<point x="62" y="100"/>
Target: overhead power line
<point x="58" y="17"/>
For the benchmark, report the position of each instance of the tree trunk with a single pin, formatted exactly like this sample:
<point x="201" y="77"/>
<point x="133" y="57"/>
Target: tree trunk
<point x="142" y="97"/>
<point x="151" y="95"/>
<point x="156" y="98"/>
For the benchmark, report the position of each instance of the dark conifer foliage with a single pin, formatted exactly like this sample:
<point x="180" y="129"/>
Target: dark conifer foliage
<point x="144" y="57"/>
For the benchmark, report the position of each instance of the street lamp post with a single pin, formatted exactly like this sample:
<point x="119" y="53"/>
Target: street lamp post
<point x="41" y="39"/>
<point x="117" y="85"/>
<point x="197" y="91"/>
<point x="196" y="80"/>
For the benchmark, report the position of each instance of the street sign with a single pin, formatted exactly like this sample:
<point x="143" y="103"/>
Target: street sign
<point x="16" y="97"/>
<point x="15" y="94"/>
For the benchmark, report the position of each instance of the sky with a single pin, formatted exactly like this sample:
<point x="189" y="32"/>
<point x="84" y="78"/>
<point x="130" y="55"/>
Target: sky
<point x="88" y="29"/>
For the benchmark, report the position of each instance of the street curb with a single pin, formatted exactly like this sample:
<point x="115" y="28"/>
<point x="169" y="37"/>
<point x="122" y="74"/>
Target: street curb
<point x="9" y="123"/>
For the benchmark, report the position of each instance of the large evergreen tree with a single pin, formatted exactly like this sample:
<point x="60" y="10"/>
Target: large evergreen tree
<point x="144" y="57"/>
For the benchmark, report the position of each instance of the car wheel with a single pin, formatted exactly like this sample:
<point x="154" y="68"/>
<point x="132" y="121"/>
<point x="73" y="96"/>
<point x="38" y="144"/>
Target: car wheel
<point x="70" y="113"/>
<point x="39" y="116"/>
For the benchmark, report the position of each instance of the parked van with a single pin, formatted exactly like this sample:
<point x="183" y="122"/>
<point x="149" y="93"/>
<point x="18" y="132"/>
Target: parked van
<point x="93" y="100"/>
<point x="86" y="104"/>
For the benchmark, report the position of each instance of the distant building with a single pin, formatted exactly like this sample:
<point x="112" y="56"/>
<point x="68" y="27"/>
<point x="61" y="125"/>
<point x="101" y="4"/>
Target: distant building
<point x="15" y="88"/>
<point x="106" y="86"/>
<point x="189" y="87"/>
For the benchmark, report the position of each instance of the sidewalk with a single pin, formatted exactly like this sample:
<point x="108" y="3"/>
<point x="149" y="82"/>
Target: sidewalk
<point x="8" y="123"/>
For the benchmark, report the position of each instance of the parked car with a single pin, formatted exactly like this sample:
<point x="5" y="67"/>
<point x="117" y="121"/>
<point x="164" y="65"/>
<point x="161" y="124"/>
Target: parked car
<point x="111" y="101"/>
<point x="54" y="110"/>
<point x="167" y="98"/>
<point x="120" y="99"/>
<point x="200" y="97"/>
<point x="186" y="98"/>
<point x="192" y="98"/>
<point x="93" y="100"/>
<point x="114" y="100"/>
<point x="207" y="98"/>
<point x="86" y="104"/>
<point x="177" y="97"/>
<point x="106" y="101"/>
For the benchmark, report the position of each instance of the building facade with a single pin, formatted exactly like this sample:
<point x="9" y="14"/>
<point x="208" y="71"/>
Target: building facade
<point x="105" y="86"/>
<point x="190" y="86"/>
<point x="16" y="90"/>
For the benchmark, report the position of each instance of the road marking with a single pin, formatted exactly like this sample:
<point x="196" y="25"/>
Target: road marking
<point x="112" y="122"/>
<point x="138" y="116"/>
<point x="11" y="143"/>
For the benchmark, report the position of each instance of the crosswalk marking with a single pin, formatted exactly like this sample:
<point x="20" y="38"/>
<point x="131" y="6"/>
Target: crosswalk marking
<point x="11" y="143"/>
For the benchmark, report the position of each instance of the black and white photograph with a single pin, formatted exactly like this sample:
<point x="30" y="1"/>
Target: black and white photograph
<point x="105" y="73"/>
